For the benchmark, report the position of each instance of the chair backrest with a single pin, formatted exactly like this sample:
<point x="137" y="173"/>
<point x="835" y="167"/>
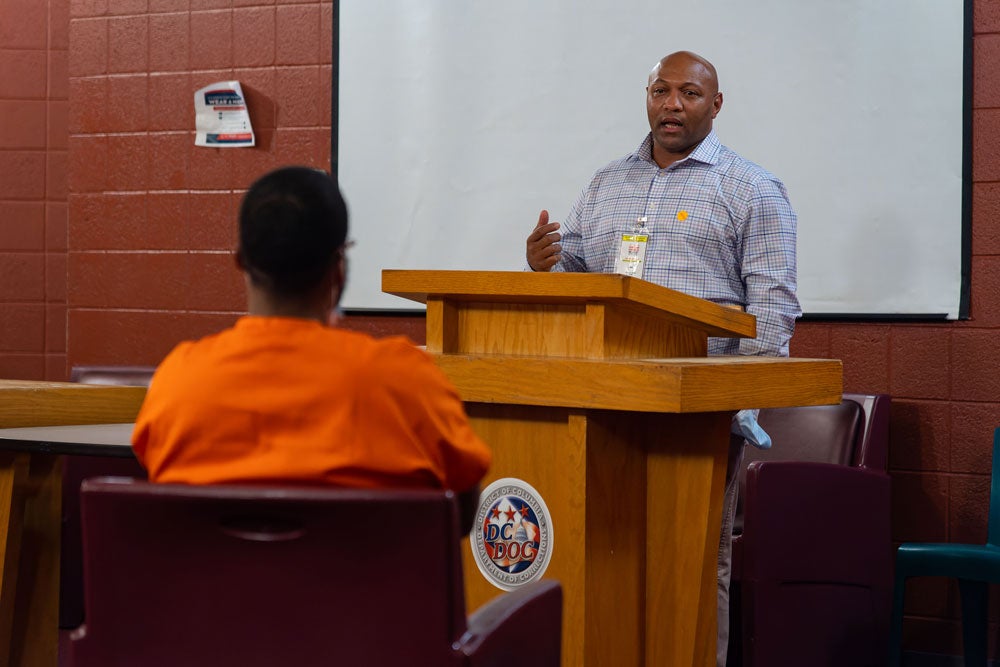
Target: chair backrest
<point x="812" y="564"/>
<point x="854" y="432"/>
<point x="75" y="470"/>
<point x="242" y="575"/>
<point x="993" y="520"/>
<point x="872" y="449"/>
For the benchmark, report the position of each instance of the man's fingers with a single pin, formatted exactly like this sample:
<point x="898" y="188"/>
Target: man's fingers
<point x="542" y="227"/>
<point x="548" y="251"/>
<point x="541" y="231"/>
<point x="545" y="234"/>
<point x="543" y="244"/>
<point x="547" y="263"/>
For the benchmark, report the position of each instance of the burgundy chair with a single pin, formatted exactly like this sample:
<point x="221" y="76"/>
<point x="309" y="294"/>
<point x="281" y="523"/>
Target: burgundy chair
<point x="812" y="550"/>
<point x="260" y="575"/>
<point x="75" y="470"/>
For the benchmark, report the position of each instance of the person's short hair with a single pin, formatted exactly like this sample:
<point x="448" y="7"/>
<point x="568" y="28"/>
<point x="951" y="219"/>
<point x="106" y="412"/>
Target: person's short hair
<point x="293" y="224"/>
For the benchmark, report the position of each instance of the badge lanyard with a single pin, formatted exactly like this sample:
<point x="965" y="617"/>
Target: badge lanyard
<point x="632" y="254"/>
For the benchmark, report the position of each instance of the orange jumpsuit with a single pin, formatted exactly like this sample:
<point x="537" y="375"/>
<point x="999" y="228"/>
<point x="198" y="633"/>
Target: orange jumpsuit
<point x="285" y="400"/>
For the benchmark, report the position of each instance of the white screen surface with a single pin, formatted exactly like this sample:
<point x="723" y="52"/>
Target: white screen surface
<point x="459" y="121"/>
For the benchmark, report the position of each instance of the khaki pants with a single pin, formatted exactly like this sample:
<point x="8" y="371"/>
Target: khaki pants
<point x="725" y="561"/>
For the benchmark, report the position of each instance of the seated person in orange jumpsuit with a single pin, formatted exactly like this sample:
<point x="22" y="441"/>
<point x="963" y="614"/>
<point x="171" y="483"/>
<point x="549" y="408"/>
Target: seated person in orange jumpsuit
<point x="285" y="397"/>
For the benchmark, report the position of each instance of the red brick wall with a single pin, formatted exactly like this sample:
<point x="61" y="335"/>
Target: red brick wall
<point x="151" y="228"/>
<point x="33" y="106"/>
<point x="151" y="215"/>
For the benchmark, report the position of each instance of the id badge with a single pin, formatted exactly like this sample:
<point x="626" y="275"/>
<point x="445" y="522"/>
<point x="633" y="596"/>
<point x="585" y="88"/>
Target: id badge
<point x="632" y="255"/>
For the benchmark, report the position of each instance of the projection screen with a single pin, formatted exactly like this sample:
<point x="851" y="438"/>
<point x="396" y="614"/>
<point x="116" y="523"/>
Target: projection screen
<point x="456" y="122"/>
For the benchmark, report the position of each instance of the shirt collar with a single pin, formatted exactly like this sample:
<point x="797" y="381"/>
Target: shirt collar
<point x="707" y="151"/>
<point x="260" y="322"/>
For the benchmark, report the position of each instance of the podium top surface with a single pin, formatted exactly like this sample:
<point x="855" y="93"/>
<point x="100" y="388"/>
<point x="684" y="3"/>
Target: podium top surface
<point x="700" y="384"/>
<point x="526" y="287"/>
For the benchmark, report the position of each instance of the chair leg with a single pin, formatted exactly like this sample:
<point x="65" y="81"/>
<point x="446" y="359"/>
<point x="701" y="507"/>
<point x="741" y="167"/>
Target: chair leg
<point x="896" y="624"/>
<point x="975" y="599"/>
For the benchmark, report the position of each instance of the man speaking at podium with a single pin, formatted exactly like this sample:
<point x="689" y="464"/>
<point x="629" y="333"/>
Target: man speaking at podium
<point x="688" y="213"/>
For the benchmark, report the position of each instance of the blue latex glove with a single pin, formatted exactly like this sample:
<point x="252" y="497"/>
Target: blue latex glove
<point x="745" y="424"/>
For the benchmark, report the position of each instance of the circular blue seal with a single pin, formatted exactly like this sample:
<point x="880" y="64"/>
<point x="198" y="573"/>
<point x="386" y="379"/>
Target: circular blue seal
<point x="512" y="536"/>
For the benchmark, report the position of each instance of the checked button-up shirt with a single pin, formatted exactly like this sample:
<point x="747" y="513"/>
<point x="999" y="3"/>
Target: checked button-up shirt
<point x="720" y="228"/>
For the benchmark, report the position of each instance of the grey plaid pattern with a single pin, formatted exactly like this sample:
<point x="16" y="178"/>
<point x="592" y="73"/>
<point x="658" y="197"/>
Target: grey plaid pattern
<point x="720" y="228"/>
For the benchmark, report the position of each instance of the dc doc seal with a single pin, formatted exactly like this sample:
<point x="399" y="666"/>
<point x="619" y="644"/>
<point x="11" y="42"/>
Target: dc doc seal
<point x="511" y="538"/>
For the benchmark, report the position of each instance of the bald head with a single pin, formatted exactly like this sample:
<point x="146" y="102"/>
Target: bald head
<point x="682" y="100"/>
<point x="687" y="59"/>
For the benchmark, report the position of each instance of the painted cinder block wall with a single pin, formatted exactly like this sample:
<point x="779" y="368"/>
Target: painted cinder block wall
<point x="34" y="93"/>
<point x="116" y="232"/>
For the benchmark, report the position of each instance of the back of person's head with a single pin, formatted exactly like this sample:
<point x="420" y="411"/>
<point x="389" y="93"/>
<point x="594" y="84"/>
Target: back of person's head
<point x="293" y="225"/>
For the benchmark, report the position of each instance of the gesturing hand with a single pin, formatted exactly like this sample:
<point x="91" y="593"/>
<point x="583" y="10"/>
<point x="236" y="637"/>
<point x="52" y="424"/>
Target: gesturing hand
<point x="543" y="244"/>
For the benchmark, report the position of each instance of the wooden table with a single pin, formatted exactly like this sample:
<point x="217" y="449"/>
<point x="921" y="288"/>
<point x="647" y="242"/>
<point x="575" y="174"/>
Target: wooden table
<point x="76" y="440"/>
<point x="31" y="499"/>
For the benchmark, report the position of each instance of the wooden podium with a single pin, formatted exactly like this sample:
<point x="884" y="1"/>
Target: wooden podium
<point x="597" y="391"/>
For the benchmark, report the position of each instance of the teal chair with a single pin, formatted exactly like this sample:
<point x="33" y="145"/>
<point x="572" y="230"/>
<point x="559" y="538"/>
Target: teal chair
<point x="974" y="565"/>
